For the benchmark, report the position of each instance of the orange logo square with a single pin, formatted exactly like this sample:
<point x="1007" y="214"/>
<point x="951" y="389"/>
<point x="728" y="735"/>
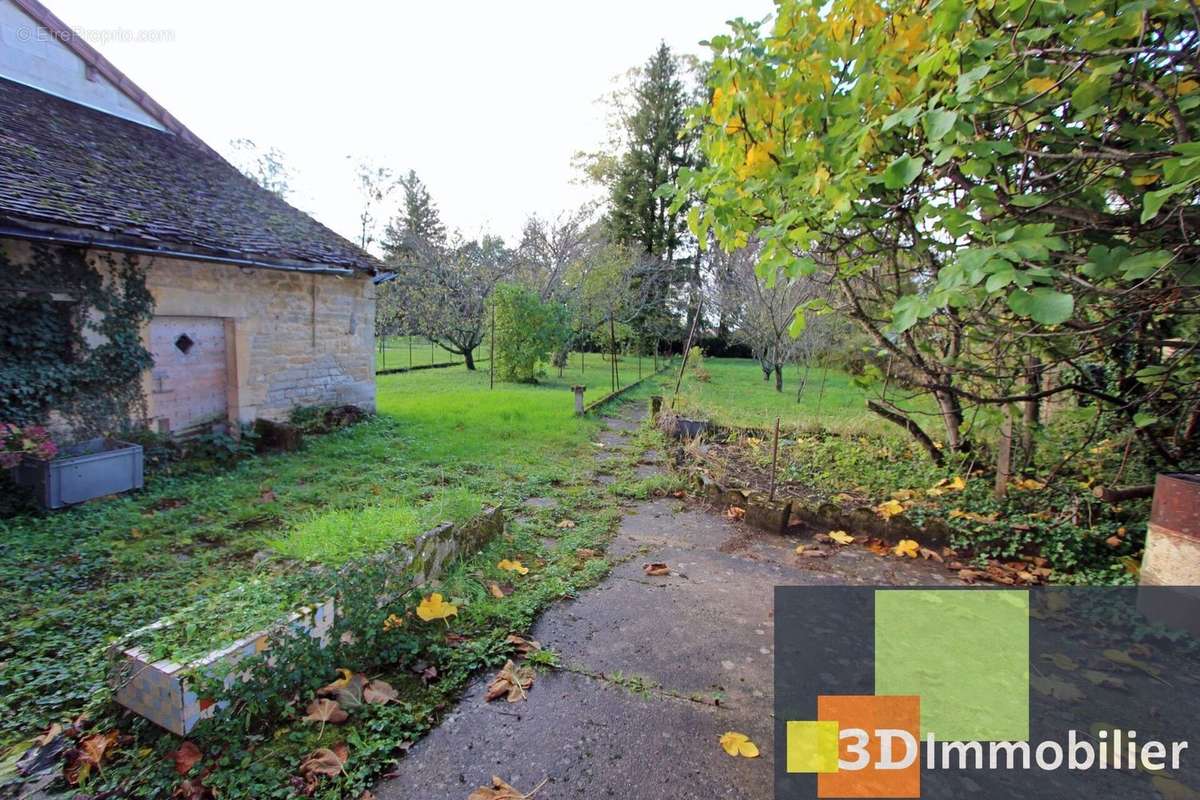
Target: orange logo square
<point x="879" y="741"/>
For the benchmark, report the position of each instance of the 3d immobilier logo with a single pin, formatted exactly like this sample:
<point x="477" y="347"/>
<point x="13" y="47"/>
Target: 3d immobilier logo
<point x="952" y="674"/>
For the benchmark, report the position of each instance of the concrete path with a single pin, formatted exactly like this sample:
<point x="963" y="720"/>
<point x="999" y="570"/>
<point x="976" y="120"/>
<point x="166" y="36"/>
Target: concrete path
<point x="657" y="668"/>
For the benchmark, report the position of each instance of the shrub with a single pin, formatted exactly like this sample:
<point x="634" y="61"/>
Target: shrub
<point x="527" y="330"/>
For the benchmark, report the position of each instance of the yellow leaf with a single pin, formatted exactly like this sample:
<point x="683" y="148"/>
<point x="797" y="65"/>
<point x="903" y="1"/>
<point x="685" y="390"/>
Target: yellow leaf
<point x="889" y="508"/>
<point x="1029" y="484"/>
<point x="841" y="537"/>
<point x="1040" y="85"/>
<point x="1062" y="661"/>
<point x="957" y="483"/>
<point x="906" y="547"/>
<point x="739" y="744"/>
<point x="1144" y="180"/>
<point x="513" y="566"/>
<point x="392" y="622"/>
<point x="434" y="607"/>
<point x="799" y="549"/>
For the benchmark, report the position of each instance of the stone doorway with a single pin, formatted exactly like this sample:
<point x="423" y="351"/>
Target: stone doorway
<point x="189" y="383"/>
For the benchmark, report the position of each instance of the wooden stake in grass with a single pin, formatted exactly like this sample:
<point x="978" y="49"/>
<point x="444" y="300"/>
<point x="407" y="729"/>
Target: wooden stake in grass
<point x="687" y="349"/>
<point x="774" y="459"/>
<point x="410" y="351"/>
<point x="492" y="351"/>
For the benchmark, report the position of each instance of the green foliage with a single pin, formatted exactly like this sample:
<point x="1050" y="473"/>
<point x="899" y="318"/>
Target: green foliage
<point x="528" y="329"/>
<point x="70" y="332"/>
<point x="994" y="183"/>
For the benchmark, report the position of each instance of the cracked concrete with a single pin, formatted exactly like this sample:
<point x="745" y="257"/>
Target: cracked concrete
<point x="658" y="668"/>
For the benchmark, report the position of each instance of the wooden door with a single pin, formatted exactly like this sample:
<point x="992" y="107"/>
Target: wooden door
<point x="189" y="380"/>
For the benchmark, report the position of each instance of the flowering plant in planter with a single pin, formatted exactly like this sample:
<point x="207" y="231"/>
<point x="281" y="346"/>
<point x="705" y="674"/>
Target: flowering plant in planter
<point x="17" y="442"/>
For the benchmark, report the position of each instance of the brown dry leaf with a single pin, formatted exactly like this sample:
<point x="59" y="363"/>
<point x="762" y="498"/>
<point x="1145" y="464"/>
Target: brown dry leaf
<point x="185" y="757"/>
<point x="511" y="682"/>
<point x="499" y="790"/>
<point x="522" y="645"/>
<point x="567" y="523"/>
<point x="267" y="497"/>
<point x="379" y="692"/>
<point x="969" y="575"/>
<point x="324" y="710"/>
<point x="495" y="590"/>
<point x="931" y="555"/>
<point x="90" y="753"/>
<point x="192" y="789"/>
<point x="878" y="546"/>
<point x="325" y="761"/>
<point x="735" y="512"/>
<point x="1058" y="689"/>
<point x="366" y="795"/>
<point x="656" y="569"/>
<point x="586" y="553"/>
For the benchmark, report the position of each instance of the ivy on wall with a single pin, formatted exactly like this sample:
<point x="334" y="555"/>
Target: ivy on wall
<point x="70" y="338"/>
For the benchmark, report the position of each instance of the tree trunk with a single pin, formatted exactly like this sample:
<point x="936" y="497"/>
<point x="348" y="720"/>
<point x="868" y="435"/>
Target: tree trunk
<point x="779" y="377"/>
<point x="1030" y="409"/>
<point x="469" y="357"/>
<point x="1004" y="453"/>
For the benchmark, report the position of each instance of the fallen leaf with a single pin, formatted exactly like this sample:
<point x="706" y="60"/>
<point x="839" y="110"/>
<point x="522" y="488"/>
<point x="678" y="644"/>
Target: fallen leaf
<point x="931" y="555"/>
<point x="192" y="789"/>
<point x="513" y="566"/>
<point x="392" y="622"/>
<point x="379" y="692"/>
<point x="522" y="645"/>
<point x="841" y="537"/>
<point x="889" y="508"/>
<point x="1124" y="659"/>
<point x="739" y="744"/>
<point x="586" y="553"/>
<point x="333" y="687"/>
<point x="511" y="682"/>
<point x="324" y="710"/>
<point x="366" y="795"/>
<point x="325" y="761"/>
<point x="499" y="790"/>
<point x="495" y="590"/>
<point x="656" y="569"/>
<point x="185" y="757"/>
<point x="1056" y="688"/>
<point x="434" y="607"/>
<point x="905" y="494"/>
<point x="799" y="549"/>
<point x="735" y="512"/>
<point x="89" y="754"/>
<point x="566" y="523"/>
<point x="1062" y="661"/>
<point x="878" y="546"/>
<point x="906" y="547"/>
<point x="1029" y="484"/>
<point x="969" y="575"/>
<point x="267" y="497"/>
<point x="1108" y="681"/>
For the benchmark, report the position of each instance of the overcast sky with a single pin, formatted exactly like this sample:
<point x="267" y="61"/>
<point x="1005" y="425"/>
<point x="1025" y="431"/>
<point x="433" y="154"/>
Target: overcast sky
<point x="487" y="101"/>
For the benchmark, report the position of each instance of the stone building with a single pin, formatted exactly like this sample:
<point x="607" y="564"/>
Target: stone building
<point x="258" y="307"/>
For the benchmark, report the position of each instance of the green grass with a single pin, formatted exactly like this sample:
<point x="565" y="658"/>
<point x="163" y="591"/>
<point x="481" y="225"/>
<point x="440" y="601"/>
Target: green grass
<point x="73" y="582"/>
<point x="336" y="536"/>
<point x="736" y="395"/>
<point x="393" y="352"/>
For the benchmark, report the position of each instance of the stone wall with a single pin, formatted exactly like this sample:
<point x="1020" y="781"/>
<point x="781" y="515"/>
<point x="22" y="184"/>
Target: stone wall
<point x="292" y="338"/>
<point x="297" y="339"/>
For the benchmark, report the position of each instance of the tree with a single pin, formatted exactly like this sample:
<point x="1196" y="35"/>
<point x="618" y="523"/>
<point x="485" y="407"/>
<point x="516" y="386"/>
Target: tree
<point x="445" y="289"/>
<point x="548" y="250"/>
<point x="375" y="184"/>
<point x="998" y="194"/>
<point x="266" y="167"/>
<point x="418" y="219"/>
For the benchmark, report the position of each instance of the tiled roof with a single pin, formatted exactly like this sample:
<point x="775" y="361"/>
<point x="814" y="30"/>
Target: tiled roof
<point x="64" y="164"/>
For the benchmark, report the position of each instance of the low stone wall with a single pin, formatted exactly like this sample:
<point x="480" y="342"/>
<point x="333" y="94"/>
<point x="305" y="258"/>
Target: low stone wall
<point x="160" y="690"/>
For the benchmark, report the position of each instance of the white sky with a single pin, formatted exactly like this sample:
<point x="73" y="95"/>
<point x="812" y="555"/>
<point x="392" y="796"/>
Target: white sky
<point x="487" y="101"/>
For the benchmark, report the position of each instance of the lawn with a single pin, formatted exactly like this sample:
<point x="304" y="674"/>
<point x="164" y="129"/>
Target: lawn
<point x="210" y="544"/>
<point x="736" y="395"/>
<point x="397" y="352"/>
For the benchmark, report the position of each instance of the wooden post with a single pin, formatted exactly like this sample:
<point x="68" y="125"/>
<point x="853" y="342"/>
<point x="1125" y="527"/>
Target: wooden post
<point x="774" y="459"/>
<point x="579" y="389"/>
<point x="492" y="352"/>
<point x="410" y="351"/>
<point x="383" y="348"/>
<point x="432" y="353"/>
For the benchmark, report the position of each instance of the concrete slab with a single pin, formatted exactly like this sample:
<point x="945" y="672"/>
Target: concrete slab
<point x="587" y="739"/>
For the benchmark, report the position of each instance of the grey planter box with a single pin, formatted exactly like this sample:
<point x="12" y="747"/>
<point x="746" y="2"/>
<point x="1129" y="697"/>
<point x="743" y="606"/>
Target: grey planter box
<point x="81" y="472"/>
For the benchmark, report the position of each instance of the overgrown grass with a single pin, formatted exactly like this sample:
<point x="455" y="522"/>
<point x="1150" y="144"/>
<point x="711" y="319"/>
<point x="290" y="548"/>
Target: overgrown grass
<point x="736" y="395"/>
<point x="75" y="581"/>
